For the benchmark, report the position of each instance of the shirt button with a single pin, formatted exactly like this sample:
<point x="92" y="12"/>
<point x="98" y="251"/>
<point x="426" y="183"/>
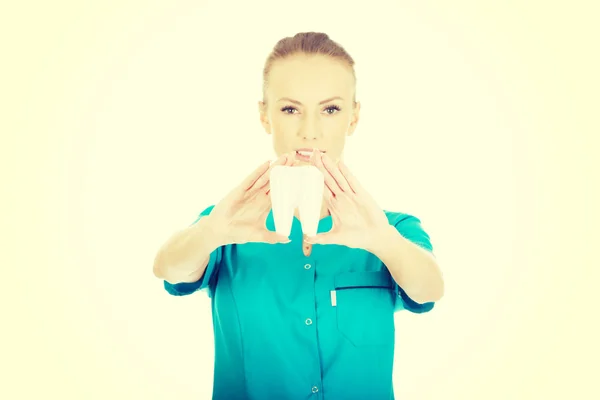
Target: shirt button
<point x="307" y="266"/>
<point x="315" y="389"/>
<point x="308" y="321"/>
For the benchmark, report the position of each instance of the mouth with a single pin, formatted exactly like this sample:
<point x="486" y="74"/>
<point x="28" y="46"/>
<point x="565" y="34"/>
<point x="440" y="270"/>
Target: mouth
<point x="304" y="154"/>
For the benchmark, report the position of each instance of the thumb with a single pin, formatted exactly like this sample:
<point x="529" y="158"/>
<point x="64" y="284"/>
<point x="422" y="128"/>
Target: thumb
<point x="321" y="238"/>
<point x="275" y="238"/>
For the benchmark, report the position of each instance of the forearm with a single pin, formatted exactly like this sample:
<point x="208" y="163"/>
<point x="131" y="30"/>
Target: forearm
<point x="184" y="257"/>
<point x="412" y="267"/>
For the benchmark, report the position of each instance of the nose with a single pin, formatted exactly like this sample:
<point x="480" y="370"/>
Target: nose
<point x="310" y="128"/>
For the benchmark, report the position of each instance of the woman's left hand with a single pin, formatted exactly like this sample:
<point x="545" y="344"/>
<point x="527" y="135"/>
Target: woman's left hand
<point x="357" y="219"/>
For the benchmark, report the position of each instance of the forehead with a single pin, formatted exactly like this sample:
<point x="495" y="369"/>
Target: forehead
<point x="310" y="78"/>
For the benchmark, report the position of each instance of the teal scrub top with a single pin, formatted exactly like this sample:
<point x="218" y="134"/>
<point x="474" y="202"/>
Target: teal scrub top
<point x="291" y="327"/>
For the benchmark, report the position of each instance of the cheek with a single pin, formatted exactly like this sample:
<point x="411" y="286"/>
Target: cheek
<point x="336" y="129"/>
<point x="283" y="129"/>
<point x="281" y="136"/>
<point x="337" y="125"/>
<point x="279" y="126"/>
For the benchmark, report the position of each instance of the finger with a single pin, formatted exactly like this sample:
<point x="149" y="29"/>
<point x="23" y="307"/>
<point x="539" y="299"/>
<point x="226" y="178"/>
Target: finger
<point x="266" y="236"/>
<point x="259" y="201"/>
<point x="291" y="159"/>
<point x="321" y="238"/>
<point x="274" y="238"/>
<point x="329" y="195"/>
<point x="330" y="182"/>
<point x="263" y="179"/>
<point x="350" y="178"/>
<point x="254" y="176"/>
<point x="264" y="200"/>
<point x="259" y="188"/>
<point x="282" y="160"/>
<point x="335" y="172"/>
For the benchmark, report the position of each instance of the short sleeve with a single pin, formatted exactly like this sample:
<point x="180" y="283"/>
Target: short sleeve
<point x="410" y="227"/>
<point x="207" y="280"/>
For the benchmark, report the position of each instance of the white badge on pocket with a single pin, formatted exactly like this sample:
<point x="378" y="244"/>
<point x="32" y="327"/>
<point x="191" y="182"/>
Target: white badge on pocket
<point x="333" y="298"/>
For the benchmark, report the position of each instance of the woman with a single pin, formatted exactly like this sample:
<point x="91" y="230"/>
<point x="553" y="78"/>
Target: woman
<point x="316" y="323"/>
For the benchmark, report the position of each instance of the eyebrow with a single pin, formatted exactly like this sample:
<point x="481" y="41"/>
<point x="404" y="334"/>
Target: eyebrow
<point x="298" y="103"/>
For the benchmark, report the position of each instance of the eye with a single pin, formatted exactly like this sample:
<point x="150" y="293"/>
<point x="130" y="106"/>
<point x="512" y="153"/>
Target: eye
<point x="333" y="109"/>
<point x="288" y="108"/>
<point x="329" y="110"/>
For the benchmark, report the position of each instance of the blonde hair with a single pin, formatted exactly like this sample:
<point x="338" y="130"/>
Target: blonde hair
<point x="309" y="43"/>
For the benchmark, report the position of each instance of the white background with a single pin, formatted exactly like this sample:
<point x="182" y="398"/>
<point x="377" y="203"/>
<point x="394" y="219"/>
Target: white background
<point x="129" y="118"/>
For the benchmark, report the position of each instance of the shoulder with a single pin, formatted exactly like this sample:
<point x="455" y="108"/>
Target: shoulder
<point x="409" y="226"/>
<point x="397" y="218"/>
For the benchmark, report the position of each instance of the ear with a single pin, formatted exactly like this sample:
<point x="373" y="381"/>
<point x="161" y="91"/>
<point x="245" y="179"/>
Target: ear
<point x="264" y="117"/>
<point x="355" y="119"/>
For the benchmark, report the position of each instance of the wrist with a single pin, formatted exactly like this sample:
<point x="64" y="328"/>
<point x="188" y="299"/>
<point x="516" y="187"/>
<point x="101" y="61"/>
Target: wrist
<point x="212" y="232"/>
<point x="381" y="238"/>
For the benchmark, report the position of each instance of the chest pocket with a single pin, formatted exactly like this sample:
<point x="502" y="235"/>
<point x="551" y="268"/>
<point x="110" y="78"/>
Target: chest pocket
<point x="365" y="307"/>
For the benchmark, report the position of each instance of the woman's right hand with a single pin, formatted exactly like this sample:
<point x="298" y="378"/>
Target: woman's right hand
<point x="240" y="217"/>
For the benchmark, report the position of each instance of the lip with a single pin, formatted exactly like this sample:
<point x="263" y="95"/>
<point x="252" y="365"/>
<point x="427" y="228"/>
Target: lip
<point x="303" y="158"/>
<point x="310" y="149"/>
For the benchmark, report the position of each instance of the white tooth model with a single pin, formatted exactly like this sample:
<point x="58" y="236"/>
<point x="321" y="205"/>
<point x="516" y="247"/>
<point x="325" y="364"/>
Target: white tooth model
<point x="296" y="187"/>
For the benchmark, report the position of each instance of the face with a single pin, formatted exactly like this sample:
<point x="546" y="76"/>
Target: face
<point x="309" y="104"/>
